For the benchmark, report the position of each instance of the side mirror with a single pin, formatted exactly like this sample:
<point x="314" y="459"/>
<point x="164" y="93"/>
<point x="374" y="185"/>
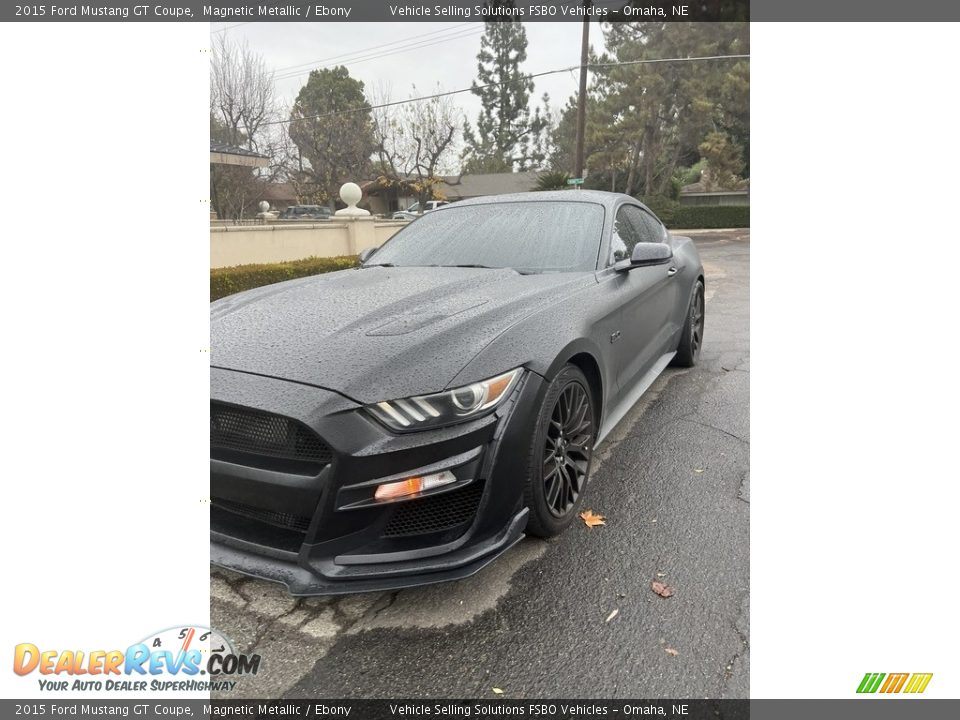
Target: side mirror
<point x="644" y="254"/>
<point x="365" y="254"/>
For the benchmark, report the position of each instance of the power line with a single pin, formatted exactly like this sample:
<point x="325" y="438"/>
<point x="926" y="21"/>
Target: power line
<point x="375" y="56"/>
<point x="457" y="28"/>
<point x="660" y="60"/>
<point x="481" y="87"/>
<point x="229" y="27"/>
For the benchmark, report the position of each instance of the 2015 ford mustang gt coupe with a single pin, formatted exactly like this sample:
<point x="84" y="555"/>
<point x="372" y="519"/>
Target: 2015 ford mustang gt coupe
<point x="407" y="421"/>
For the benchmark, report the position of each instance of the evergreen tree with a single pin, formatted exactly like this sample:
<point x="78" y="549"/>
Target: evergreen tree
<point x="646" y="122"/>
<point x="507" y="135"/>
<point x="332" y="128"/>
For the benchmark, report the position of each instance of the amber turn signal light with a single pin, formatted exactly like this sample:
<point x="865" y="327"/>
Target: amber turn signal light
<point x="412" y="486"/>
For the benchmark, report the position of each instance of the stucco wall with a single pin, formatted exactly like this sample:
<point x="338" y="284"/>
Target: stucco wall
<point x="278" y="242"/>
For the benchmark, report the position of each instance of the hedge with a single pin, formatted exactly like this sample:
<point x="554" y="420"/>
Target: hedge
<point x="690" y="217"/>
<point x="693" y="217"/>
<point x="230" y="280"/>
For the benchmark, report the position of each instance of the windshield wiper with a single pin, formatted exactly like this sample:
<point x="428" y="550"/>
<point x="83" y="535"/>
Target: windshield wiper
<point x="378" y="265"/>
<point x="469" y="265"/>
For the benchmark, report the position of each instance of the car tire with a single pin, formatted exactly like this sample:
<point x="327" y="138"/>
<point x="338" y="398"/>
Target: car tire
<point x="561" y="454"/>
<point x="691" y="338"/>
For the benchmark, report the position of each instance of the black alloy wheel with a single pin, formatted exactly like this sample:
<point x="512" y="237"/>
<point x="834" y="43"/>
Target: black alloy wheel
<point x="691" y="337"/>
<point x="696" y="321"/>
<point x="568" y="449"/>
<point x="561" y="454"/>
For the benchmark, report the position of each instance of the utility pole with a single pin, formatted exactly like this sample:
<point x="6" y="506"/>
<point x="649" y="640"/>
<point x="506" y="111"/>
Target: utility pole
<point x="582" y="99"/>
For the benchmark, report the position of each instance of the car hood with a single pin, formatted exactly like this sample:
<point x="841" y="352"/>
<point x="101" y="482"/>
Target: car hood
<point x="378" y="333"/>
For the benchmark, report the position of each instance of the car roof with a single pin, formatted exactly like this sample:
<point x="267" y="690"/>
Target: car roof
<point x="600" y="197"/>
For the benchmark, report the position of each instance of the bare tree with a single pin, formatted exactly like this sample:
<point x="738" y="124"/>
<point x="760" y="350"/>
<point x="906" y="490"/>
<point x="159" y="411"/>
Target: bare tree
<point x="416" y="143"/>
<point x="242" y="92"/>
<point x="242" y="105"/>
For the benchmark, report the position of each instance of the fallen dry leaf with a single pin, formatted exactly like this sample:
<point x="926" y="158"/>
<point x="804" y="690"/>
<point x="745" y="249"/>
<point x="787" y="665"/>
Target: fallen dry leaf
<point x="592" y="519"/>
<point x="660" y="589"/>
<point x="671" y="651"/>
<point x="612" y="615"/>
<point x="497" y="691"/>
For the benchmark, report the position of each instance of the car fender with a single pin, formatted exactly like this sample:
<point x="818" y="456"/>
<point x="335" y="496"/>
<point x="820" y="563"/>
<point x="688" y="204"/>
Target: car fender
<point x="688" y="258"/>
<point x="544" y="347"/>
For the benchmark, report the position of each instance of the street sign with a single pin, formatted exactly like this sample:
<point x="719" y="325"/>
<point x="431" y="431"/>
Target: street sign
<point x="574" y="181"/>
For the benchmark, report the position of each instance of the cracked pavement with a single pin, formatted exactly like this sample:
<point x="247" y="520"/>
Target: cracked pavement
<point x="672" y="480"/>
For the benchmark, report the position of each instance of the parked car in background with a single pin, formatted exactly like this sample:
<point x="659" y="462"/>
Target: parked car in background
<point x="413" y="212"/>
<point x="306" y="212"/>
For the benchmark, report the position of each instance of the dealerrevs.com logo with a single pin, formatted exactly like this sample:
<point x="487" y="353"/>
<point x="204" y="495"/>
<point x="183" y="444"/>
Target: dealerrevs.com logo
<point x="182" y="659"/>
<point x="894" y="683"/>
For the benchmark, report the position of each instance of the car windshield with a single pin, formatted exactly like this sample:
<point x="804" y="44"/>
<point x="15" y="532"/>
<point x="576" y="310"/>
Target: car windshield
<point x="530" y="237"/>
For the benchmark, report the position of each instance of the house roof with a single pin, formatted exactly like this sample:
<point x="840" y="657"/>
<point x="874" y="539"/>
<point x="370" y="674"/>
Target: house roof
<point x="469" y="186"/>
<point x="225" y="154"/>
<point x="597" y="197"/>
<point x="278" y="191"/>
<point x="459" y="187"/>
<point x="699" y="188"/>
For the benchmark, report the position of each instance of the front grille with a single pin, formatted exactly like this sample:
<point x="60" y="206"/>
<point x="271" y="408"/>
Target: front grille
<point x="435" y="513"/>
<point x="271" y="517"/>
<point x="264" y="435"/>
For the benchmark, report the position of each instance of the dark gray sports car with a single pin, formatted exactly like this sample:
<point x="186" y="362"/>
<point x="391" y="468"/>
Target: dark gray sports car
<point x="407" y="421"/>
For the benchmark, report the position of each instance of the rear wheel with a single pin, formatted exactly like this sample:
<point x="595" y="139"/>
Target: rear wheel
<point x="691" y="339"/>
<point x="561" y="454"/>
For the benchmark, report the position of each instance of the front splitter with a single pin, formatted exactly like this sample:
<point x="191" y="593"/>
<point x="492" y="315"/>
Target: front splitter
<point x="299" y="581"/>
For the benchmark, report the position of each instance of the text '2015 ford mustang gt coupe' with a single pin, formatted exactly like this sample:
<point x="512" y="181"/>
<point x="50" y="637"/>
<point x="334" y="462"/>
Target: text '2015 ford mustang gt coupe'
<point x="407" y="421"/>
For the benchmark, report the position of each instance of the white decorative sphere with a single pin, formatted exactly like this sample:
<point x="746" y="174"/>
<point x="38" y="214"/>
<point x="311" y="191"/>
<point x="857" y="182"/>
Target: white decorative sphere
<point x="350" y="193"/>
<point x="264" y="206"/>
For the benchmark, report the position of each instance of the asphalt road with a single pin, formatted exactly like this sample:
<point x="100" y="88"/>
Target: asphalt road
<point x="673" y="483"/>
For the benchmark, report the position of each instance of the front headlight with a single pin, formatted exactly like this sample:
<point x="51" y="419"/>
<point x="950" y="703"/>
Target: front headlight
<point x="448" y="407"/>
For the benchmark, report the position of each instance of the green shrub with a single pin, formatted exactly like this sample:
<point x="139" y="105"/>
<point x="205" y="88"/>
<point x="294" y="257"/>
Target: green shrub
<point x="553" y="180"/>
<point x="690" y="175"/>
<point x="230" y="280"/>
<point x="690" y="217"/>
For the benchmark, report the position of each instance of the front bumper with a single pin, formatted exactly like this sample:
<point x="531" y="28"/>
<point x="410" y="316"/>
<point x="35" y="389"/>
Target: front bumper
<point x="302" y="525"/>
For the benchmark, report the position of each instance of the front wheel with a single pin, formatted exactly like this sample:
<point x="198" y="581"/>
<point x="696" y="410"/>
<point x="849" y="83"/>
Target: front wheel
<point x="691" y="338"/>
<point x="561" y="454"/>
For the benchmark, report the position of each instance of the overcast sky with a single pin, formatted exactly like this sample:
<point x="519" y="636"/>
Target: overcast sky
<point x="441" y="52"/>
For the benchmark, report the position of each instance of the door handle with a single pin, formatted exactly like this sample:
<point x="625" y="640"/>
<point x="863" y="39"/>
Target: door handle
<point x="672" y="271"/>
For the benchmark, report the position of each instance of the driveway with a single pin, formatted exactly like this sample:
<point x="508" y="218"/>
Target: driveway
<point x="574" y="617"/>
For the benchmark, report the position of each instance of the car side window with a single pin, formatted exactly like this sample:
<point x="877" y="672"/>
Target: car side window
<point x="655" y="229"/>
<point x="631" y="225"/>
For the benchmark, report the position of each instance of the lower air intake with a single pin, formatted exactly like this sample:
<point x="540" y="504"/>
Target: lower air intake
<point x="271" y="517"/>
<point x="435" y="513"/>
